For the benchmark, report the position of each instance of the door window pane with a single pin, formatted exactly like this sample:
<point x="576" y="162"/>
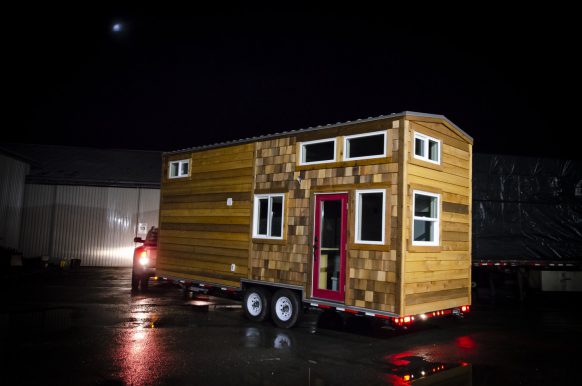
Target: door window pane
<point x="330" y="224"/>
<point x="329" y="253"/>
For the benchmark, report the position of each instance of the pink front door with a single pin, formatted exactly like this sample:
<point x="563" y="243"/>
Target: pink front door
<point x="329" y="246"/>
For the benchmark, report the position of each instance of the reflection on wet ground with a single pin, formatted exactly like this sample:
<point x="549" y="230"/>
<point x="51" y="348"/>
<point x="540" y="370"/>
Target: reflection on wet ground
<point x="88" y="328"/>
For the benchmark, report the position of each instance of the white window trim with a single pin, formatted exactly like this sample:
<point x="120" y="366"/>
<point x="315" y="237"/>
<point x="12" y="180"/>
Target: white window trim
<point x="180" y="163"/>
<point x="357" y="225"/>
<point x="426" y="138"/>
<point x="301" y="151"/>
<point x="436" y="220"/>
<point x="348" y="137"/>
<point x="256" y="235"/>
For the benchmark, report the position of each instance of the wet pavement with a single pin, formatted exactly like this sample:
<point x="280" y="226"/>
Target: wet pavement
<point x="85" y="327"/>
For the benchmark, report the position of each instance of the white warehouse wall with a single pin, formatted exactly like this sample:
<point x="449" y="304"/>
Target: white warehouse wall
<point x="12" y="176"/>
<point x="94" y="224"/>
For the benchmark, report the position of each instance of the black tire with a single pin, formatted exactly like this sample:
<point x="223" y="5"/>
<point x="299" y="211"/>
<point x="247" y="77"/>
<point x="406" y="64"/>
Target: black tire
<point x="134" y="281"/>
<point x="144" y="282"/>
<point x="256" y="304"/>
<point x="285" y="308"/>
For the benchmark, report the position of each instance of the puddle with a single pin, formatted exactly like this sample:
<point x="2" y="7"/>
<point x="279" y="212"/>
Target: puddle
<point x="206" y="303"/>
<point x="258" y="337"/>
<point x="407" y="369"/>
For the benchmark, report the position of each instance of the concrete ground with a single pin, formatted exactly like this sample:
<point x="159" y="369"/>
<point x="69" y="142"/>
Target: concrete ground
<point x="85" y="327"/>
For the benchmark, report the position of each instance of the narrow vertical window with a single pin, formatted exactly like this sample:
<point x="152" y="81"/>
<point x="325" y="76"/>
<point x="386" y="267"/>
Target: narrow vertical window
<point x="427" y="148"/>
<point x="426" y="214"/>
<point x="370" y="216"/>
<point x="268" y="216"/>
<point x="180" y="168"/>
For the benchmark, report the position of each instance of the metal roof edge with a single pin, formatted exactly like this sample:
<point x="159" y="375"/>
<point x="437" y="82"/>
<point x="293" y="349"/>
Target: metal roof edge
<point x="316" y="128"/>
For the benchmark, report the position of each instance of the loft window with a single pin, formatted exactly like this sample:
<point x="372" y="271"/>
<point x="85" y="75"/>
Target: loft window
<point x="425" y="210"/>
<point x="370" y="216"/>
<point x="319" y="151"/>
<point x="268" y="216"/>
<point x="179" y="168"/>
<point x="427" y="148"/>
<point x="361" y="146"/>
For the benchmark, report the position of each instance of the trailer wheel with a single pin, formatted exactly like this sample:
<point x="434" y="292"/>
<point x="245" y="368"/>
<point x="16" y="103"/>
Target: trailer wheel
<point x="285" y="308"/>
<point x="134" y="281"/>
<point x="256" y="304"/>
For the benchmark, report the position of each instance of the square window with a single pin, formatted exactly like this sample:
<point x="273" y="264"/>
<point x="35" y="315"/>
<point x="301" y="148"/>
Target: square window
<point x="268" y="216"/>
<point x="319" y="151"/>
<point x="362" y="146"/>
<point x="370" y="216"/>
<point x="179" y="168"/>
<point x="427" y="148"/>
<point x="425" y="229"/>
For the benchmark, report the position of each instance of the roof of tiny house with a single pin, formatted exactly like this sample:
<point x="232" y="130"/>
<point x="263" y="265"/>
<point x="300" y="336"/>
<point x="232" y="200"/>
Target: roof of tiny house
<point x="451" y="125"/>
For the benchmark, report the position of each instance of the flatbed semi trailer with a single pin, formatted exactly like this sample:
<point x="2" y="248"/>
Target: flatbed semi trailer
<point x="527" y="223"/>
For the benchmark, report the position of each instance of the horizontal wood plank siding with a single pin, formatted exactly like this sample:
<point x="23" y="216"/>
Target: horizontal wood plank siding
<point x="440" y="278"/>
<point x="200" y="236"/>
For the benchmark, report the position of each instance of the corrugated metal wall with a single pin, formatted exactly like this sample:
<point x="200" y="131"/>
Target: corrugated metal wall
<point x="94" y="224"/>
<point x="12" y="175"/>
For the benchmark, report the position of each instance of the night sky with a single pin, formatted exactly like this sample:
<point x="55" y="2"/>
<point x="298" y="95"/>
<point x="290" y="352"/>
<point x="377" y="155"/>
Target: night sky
<point x="172" y="78"/>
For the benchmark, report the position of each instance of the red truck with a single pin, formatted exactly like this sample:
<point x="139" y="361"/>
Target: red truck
<point x="144" y="260"/>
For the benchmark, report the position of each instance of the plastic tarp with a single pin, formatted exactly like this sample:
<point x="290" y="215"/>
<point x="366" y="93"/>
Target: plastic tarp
<point x="526" y="208"/>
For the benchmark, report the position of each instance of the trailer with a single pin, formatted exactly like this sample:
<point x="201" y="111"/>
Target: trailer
<point x="369" y="217"/>
<point x="527" y="225"/>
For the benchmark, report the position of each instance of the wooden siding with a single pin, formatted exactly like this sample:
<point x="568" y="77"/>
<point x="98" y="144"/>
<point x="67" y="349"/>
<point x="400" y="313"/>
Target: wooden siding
<point x="434" y="278"/>
<point x="370" y="269"/>
<point x="200" y="236"/>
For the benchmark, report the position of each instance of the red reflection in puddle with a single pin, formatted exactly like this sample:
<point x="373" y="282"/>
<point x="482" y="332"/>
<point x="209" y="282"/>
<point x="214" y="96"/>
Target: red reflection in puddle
<point x="465" y="342"/>
<point x="139" y="355"/>
<point x="395" y="380"/>
<point x="398" y="359"/>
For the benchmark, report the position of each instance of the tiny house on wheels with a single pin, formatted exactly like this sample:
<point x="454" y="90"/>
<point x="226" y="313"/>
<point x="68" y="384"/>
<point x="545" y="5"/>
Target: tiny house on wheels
<point x="369" y="217"/>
